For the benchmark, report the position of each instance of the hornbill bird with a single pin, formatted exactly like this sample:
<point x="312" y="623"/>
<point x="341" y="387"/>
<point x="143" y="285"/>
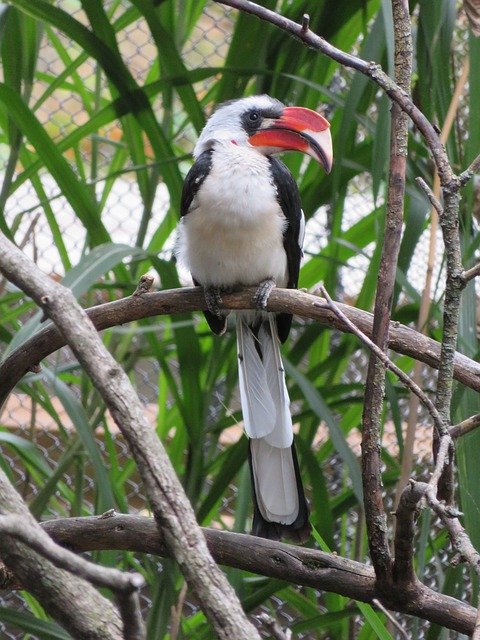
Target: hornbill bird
<point x="242" y="224"/>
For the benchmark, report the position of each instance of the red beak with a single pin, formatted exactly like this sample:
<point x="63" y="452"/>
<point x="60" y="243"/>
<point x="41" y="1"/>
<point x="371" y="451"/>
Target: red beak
<point x="298" y="129"/>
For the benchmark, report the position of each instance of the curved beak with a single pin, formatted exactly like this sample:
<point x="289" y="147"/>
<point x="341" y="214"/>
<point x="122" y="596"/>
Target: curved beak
<point x="297" y="129"/>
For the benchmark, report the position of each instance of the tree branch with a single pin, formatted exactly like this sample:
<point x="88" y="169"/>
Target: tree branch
<point x="369" y="69"/>
<point x="382" y="356"/>
<point x="173" y="513"/>
<point x="298" y="565"/>
<point x="124" y="585"/>
<point x="375" y="516"/>
<point x="403" y="339"/>
<point x="54" y="588"/>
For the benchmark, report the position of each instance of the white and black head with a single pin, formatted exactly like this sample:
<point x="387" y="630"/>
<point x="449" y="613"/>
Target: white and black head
<point x="270" y="127"/>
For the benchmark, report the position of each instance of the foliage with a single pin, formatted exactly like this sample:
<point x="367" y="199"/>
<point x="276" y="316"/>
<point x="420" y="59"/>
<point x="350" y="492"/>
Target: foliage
<point x="146" y="130"/>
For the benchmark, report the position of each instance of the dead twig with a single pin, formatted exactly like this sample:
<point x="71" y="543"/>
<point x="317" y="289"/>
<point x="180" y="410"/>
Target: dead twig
<point x="403" y="377"/>
<point x="124" y="585"/>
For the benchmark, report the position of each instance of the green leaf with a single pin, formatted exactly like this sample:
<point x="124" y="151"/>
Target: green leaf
<point x="29" y="624"/>
<point x="76" y="412"/>
<point x="79" y="279"/>
<point x="77" y="196"/>
<point x="316" y="403"/>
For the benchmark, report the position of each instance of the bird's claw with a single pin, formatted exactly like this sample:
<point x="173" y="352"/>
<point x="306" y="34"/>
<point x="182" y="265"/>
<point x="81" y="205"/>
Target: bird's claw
<point x="213" y="300"/>
<point x="263" y="292"/>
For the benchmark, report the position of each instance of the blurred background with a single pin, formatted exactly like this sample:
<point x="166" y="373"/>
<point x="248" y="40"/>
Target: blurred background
<point x="91" y="183"/>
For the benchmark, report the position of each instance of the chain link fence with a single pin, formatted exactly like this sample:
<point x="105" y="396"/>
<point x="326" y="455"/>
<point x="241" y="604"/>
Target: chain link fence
<point x="60" y="113"/>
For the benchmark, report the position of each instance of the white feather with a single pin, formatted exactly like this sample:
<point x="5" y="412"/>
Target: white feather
<point x="275" y="482"/>
<point x="282" y="434"/>
<point x="258" y="409"/>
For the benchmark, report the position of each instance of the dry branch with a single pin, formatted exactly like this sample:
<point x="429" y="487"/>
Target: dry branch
<point x="403" y="339"/>
<point x="124" y="585"/>
<point x="375" y="516"/>
<point x="55" y="588"/>
<point x="299" y="565"/>
<point x="173" y="512"/>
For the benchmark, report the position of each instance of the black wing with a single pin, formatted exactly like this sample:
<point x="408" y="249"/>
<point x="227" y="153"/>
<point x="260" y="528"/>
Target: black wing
<point x="193" y="181"/>
<point x="288" y="198"/>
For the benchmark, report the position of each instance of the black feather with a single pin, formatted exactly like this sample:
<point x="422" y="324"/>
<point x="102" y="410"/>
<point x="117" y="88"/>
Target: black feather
<point x="193" y="181"/>
<point x="288" y="198"/>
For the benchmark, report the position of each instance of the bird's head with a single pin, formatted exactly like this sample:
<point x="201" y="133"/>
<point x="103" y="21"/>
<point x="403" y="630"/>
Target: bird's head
<point x="270" y="127"/>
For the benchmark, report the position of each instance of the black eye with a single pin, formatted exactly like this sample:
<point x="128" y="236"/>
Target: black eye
<point x="253" y="116"/>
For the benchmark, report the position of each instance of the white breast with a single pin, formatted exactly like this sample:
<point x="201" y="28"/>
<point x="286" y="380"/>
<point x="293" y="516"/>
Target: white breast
<point x="233" y="234"/>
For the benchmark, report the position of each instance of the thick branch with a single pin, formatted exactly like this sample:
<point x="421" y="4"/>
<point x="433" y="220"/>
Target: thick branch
<point x="172" y="510"/>
<point x="55" y="588"/>
<point x="298" y="565"/>
<point x="402" y="339"/>
<point x="124" y="585"/>
<point x="375" y="515"/>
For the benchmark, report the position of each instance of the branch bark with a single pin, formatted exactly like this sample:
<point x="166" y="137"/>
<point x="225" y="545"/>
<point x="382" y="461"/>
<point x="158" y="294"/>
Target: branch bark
<point x="299" y="565"/>
<point x="93" y="617"/>
<point x="403" y="339"/>
<point x="375" y="515"/>
<point x="173" y="512"/>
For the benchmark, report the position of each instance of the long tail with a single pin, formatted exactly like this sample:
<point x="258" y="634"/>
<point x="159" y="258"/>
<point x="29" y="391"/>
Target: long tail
<point x="280" y="507"/>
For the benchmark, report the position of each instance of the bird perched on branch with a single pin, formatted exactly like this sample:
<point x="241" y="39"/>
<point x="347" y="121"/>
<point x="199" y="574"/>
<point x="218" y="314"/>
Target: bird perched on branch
<point x="242" y="225"/>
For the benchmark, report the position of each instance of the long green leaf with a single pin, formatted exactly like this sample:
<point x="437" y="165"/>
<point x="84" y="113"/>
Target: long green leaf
<point x="77" y="196"/>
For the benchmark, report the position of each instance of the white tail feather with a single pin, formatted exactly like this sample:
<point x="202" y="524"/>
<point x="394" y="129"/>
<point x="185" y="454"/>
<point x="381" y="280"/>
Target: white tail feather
<point x="282" y="434"/>
<point x="267" y="421"/>
<point x="275" y="482"/>
<point x="258" y="409"/>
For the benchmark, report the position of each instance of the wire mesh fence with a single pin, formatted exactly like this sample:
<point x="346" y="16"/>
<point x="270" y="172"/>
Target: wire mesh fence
<point x="61" y="112"/>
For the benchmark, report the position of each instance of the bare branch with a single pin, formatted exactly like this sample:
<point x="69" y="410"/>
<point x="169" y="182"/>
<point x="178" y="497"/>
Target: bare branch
<point x="469" y="274"/>
<point x="375" y="516"/>
<point x="299" y="565"/>
<point x="464" y="427"/>
<point x="173" y="512"/>
<point x="113" y="579"/>
<point x="470" y="171"/>
<point x="434" y="201"/>
<point x="406" y="513"/>
<point x="274" y="627"/>
<point x="395" y="623"/>
<point x="402" y="339"/>
<point x="54" y="587"/>
<point x="381" y="355"/>
<point x="124" y="585"/>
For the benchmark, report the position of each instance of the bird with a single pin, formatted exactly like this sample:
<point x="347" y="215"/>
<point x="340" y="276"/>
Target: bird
<point x="241" y="224"/>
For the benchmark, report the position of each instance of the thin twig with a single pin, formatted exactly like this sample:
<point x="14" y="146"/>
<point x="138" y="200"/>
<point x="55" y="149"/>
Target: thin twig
<point x="176" y="612"/>
<point x="434" y="201"/>
<point x="464" y="427"/>
<point x="274" y="627"/>
<point x="470" y="171"/>
<point x="392" y="619"/>
<point x="305" y="23"/>
<point x="405" y="379"/>
<point x="471" y="273"/>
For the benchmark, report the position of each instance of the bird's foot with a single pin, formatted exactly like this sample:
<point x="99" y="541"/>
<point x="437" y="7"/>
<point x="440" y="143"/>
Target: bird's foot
<point x="213" y="299"/>
<point x="263" y="292"/>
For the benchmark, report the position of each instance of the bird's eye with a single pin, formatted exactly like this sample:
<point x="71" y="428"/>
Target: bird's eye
<point x="253" y="116"/>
